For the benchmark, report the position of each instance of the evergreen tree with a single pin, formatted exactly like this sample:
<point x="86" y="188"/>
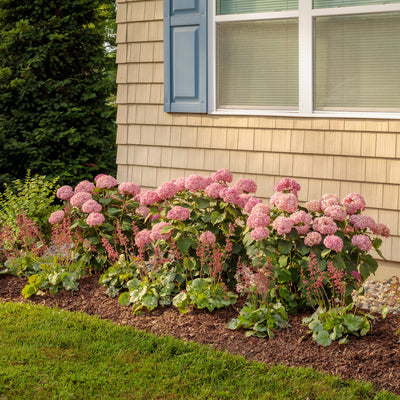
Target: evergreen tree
<point x="56" y="118"/>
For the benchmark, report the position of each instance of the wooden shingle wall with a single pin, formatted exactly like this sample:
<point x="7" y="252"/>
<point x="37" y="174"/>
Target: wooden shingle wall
<point x="325" y="155"/>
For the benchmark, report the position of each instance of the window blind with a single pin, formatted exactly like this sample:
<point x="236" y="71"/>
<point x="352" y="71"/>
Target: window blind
<point x="225" y="7"/>
<point x="357" y="62"/>
<point x="349" y="3"/>
<point x="257" y="64"/>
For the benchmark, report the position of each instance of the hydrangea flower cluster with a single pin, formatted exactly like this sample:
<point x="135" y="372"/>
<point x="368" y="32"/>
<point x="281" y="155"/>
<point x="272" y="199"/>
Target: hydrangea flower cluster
<point x="106" y="182"/>
<point x="56" y="217"/>
<point x="65" y="192"/>
<point x="246" y="185"/>
<point x="80" y="198"/>
<point x="214" y="190"/>
<point x="337" y="213"/>
<point x="258" y="220"/>
<point x="91" y="206"/>
<point x="128" y="188"/>
<point x="302" y="221"/>
<point x="85" y="186"/>
<point x="207" y="237"/>
<point x="179" y="213"/>
<point x="148" y="197"/>
<point x="167" y="190"/>
<point x="333" y="242"/>
<point x="325" y="225"/>
<point x="222" y="175"/>
<point x="196" y="182"/>
<point x="283" y="225"/>
<point x="143" y="238"/>
<point x="353" y="202"/>
<point x="95" y="219"/>
<point x="363" y="242"/>
<point x="313" y="239"/>
<point x="156" y="234"/>
<point x="287" y="185"/>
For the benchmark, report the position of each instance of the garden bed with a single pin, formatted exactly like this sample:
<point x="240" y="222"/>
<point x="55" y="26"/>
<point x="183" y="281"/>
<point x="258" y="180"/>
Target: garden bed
<point x="374" y="357"/>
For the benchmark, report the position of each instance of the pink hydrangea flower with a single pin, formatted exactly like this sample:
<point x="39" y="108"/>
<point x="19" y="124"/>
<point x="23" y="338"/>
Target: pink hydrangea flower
<point x="79" y="198"/>
<point x="207" y="237"/>
<point x="286" y="202"/>
<point x="244" y="198"/>
<point x="56" y="217"/>
<point x="333" y="242"/>
<point x="312" y="239"/>
<point x="354" y="202"/>
<point x="381" y="230"/>
<point x="251" y="203"/>
<point x="258" y="220"/>
<point x="247" y="185"/>
<point x="222" y="175"/>
<point x="99" y="176"/>
<point x="283" y="225"/>
<point x="91" y="206"/>
<point x="94" y="219"/>
<point x="337" y="213"/>
<point x="156" y="234"/>
<point x="155" y="217"/>
<point x="287" y="185"/>
<point x="302" y="220"/>
<point x="362" y="222"/>
<point x="148" y="197"/>
<point x="128" y="188"/>
<point x="143" y="238"/>
<point x="106" y="182"/>
<point x="85" y="186"/>
<point x="313" y="206"/>
<point x="195" y="183"/>
<point x="259" y="233"/>
<point x="329" y="200"/>
<point x="362" y="242"/>
<point x="325" y="225"/>
<point x="143" y="211"/>
<point x="179" y="213"/>
<point x="230" y="195"/>
<point x="65" y="192"/>
<point x="260" y="208"/>
<point x="180" y="183"/>
<point x="167" y="190"/>
<point x="214" y="190"/>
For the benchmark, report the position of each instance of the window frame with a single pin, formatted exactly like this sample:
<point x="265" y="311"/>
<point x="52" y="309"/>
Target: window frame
<point x="305" y="15"/>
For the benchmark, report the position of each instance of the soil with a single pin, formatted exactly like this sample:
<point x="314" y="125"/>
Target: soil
<point x="374" y="357"/>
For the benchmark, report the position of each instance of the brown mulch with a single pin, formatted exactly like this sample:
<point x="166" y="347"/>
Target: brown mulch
<point x="374" y="357"/>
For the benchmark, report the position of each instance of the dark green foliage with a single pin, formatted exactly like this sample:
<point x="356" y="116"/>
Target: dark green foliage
<point x="56" y="118"/>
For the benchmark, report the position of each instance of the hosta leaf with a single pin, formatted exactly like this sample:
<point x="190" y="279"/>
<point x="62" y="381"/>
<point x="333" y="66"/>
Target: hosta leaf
<point x="323" y="338"/>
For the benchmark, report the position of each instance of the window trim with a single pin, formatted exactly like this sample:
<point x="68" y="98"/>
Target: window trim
<point x="305" y="14"/>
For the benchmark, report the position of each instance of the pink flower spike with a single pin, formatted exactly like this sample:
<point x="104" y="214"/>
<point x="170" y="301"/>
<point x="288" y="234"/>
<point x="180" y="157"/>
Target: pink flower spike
<point x="56" y="217"/>
<point x="356" y="275"/>
<point x="85" y="186"/>
<point x="65" y="192"/>
<point x="130" y="188"/>
<point x="95" y="219"/>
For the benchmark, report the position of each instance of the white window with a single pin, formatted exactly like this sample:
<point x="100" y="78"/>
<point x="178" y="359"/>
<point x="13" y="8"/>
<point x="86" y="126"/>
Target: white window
<point x="304" y="57"/>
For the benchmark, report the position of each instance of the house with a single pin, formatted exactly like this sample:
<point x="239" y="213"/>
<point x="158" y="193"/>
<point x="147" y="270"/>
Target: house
<point x="268" y="89"/>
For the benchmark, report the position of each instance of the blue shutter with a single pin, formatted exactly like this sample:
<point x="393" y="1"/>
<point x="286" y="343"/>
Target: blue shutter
<point x="185" y="56"/>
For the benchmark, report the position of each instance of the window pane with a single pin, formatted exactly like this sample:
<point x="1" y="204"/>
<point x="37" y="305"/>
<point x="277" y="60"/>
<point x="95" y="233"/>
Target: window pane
<point x="258" y="64"/>
<point x="253" y="6"/>
<point x="357" y="62"/>
<point x="348" y="3"/>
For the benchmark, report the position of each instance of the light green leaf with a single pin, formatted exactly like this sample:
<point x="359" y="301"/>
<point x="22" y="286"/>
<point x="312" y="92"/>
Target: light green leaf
<point x="323" y="338"/>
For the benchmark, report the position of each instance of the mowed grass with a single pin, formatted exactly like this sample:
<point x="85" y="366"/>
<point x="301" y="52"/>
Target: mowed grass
<point x="53" y="354"/>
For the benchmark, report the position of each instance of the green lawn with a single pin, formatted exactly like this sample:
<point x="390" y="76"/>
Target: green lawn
<point x="52" y="354"/>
